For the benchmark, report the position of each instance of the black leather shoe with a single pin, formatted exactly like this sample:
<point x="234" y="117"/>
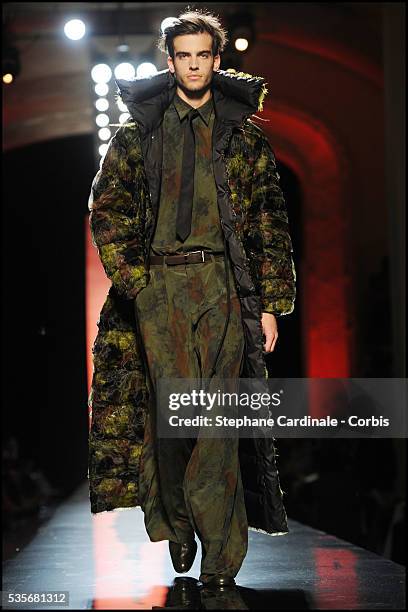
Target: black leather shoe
<point x="183" y="555"/>
<point x="184" y="594"/>
<point x="219" y="581"/>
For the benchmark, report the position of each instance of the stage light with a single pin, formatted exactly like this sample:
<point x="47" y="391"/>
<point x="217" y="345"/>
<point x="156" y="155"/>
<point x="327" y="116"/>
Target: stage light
<point x="102" y="104"/>
<point x="146" y="69"/>
<point x="101" y="89"/>
<point x="242" y="31"/>
<point x="124" y="71"/>
<point x="168" y="23"/>
<point x="242" y="37"/>
<point x="241" y="44"/>
<point x="101" y="73"/>
<point x="102" y="120"/>
<point x="104" y="133"/>
<point x="124" y="117"/>
<point x="103" y="148"/>
<point x="122" y="107"/>
<point x="74" y="29"/>
<point x="11" y="64"/>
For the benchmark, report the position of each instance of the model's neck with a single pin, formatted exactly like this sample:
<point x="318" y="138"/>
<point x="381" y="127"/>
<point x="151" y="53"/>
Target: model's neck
<point x="194" y="102"/>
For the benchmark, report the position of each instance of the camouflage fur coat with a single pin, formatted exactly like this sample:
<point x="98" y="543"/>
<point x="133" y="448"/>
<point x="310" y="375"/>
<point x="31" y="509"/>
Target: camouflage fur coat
<point x="123" y="206"/>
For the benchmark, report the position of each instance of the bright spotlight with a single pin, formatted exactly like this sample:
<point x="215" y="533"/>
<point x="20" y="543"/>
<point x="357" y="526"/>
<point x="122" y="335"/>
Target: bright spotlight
<point x="241" y="44"/>
<point x="242" y="34"/>
<point x="124" y="117"/>
<point x="102" y="104"/>
<point x="104" y="133"/>
<point x="101" y="89"/>
<point x="124" y="71"/>
<point x="103" y="148"/>
<point x="122" y="107"/>
<point x="145" y="70"/>
<point x="101" y="73"/>
<point x="102" y="120"/>
<point x="10" y="64"/>
<point x="74" y="29"/>
<point x="168" y="23"/>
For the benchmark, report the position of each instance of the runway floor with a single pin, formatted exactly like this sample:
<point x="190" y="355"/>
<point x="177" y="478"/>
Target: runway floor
<point x="107" y="562"/>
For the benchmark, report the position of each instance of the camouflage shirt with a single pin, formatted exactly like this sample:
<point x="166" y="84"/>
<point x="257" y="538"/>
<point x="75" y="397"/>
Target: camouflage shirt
<point x="206" y="232"/>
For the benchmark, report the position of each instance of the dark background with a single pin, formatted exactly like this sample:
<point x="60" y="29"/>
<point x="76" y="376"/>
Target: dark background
<point x="44" y="392"/>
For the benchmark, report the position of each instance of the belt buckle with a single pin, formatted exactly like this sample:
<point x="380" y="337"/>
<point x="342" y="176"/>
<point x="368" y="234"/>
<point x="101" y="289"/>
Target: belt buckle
<point x="202" y="254"/>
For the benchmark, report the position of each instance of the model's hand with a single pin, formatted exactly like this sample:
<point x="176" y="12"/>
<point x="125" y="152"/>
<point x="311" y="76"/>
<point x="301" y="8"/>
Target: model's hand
<point x="270" y="329"/>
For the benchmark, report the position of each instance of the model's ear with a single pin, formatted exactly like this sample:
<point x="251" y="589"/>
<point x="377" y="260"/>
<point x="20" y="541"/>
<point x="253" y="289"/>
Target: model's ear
<point x="217" y="62"/>
<point x="170" y="64"/>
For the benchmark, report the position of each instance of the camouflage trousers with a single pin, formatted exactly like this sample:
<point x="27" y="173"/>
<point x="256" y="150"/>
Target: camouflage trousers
<point x="181" y="316"/>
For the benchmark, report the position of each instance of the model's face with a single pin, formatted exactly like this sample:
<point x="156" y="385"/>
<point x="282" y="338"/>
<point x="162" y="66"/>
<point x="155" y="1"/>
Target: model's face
<point x="194" y="63"/>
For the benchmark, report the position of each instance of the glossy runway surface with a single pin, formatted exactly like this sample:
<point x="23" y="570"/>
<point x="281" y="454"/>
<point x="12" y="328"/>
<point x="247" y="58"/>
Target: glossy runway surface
<point x="106" y="561"/>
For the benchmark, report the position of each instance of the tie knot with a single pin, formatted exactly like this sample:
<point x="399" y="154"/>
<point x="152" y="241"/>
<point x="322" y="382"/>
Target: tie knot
<point x="193" y="114"/>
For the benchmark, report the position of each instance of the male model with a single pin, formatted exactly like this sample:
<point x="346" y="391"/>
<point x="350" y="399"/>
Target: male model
<point x="191" y="227"/>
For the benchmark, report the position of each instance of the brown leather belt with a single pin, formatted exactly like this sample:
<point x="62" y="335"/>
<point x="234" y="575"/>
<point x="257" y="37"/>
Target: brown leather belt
<point x="183" y="258"/>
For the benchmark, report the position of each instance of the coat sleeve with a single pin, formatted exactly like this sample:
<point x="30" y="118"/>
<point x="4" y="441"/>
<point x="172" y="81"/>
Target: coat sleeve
<point x="269" y="235"/>
<point x="117" y="219"/>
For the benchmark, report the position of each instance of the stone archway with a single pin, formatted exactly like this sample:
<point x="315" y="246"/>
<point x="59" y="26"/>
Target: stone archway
<point x="324" y="280"/>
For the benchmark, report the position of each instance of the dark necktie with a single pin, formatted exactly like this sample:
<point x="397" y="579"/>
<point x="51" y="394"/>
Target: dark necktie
<point x="185" y="203"/>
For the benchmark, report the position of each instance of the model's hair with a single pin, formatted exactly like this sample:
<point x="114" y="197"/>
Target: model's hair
<point x="194" y="21"/>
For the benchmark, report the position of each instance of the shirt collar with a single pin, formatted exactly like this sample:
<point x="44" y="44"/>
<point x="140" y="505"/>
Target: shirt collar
<point x="183" y="108"/>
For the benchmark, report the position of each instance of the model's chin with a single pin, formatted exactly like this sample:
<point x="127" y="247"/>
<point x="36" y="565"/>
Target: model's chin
<point x="195" y="88"/>
<point x="195" y="84"/>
